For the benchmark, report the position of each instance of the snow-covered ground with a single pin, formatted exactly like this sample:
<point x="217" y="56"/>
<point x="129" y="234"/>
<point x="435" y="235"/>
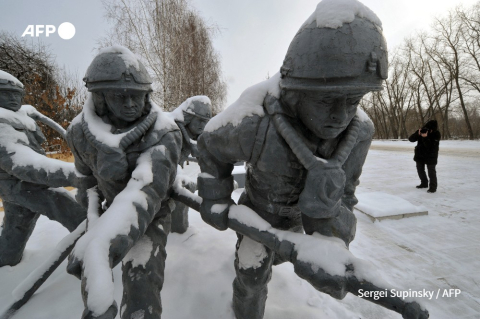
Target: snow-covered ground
<point x="438" y="251"/>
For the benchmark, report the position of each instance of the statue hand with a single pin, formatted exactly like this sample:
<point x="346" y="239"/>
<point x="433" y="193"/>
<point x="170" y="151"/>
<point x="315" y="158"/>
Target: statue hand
<point x="215" y="212"/>
<point x="191" y="185"/>
<point x="119" y="247"/>
<point x="335" y="286"/>
<point x="342" y="226"/>
<point x="413" y="310"/>
<point x="74" y="266"/>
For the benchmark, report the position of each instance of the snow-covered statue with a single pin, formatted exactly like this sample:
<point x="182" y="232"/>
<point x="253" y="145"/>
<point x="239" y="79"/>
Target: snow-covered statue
<point x="191" y="117"/>
<point x="132" y="148"/>
<point x="304" y="141"/>
<point x="30" y="182"/>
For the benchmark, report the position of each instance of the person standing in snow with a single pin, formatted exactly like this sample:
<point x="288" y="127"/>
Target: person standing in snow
<point x="303" y="139"/>
<point x="29" y="179"/>
<point x="132" y="148"/>
<point x="426" y="153"/>
<point x="191" y="117"/>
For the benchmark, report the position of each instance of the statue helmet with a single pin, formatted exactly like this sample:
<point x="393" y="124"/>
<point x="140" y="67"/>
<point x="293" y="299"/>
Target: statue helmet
<point x="117" y="67"/>
<point x="200" y="107"/>
<point x="10" y="83"/>
<point x="337" y="48"/>
<point x="196" y="106"/>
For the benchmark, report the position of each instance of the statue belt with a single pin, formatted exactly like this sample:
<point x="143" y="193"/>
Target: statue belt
<point x="288" y="211"/>
<point x="273" y="208"/>
<point x="284" y="211"/>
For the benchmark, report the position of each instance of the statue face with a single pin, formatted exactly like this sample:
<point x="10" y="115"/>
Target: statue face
<point x="196" y="126"/>
<point x="327" y="114"/>
<point x="11" y="100"/>
<point x="125" y="105"/>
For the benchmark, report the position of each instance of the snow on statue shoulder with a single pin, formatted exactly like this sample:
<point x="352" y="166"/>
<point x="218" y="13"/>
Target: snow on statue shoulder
<point x="249" y="104"/>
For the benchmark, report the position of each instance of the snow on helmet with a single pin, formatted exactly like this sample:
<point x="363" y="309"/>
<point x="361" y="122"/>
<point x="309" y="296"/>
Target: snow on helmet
<point x="201" y="108"/>
<point x="10" y="83"/>
<point x="117" y="67"/>
<point x="340" y="47"/>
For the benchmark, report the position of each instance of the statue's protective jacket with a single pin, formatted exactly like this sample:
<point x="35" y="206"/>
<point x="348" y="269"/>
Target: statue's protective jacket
<point x="113" y="166"/>
<point x="275" y="176"/>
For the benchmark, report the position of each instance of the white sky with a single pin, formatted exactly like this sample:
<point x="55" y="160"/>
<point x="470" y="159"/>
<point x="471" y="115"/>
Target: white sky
<point x="254" y="38"/>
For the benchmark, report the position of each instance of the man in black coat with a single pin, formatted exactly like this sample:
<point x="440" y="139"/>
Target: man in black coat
<point x="426" y="153"/>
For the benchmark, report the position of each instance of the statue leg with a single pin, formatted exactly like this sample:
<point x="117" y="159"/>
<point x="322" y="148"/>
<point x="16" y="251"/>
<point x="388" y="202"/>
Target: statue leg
<point x="18" y="225"/>
<point x="180" y="218"/>
<point x="253" y="266"/>
<point x="143" y="273"/>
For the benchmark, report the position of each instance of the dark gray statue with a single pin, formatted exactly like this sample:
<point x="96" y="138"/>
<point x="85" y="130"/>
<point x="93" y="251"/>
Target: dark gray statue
<point x="29" y="179"/>
<point x="132" y="148"/>
<point x="196" y="111"/>
<point x="305" y="143"/>
<point x="191" y="117"/>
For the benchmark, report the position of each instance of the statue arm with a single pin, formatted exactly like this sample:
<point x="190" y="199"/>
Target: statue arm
<point x="132" y="210"/>
<point x="74" y="133"/>
<point x="218" y="151"/>
<point x="27" y="165"/>
<point x="75" y="138"/>
<point x="156" y="169"/>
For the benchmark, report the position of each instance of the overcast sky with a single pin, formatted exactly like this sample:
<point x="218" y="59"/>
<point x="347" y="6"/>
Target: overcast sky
<point x="254" y="37"/>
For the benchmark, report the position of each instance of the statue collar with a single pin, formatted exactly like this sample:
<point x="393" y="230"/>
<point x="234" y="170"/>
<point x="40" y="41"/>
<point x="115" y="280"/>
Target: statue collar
<point x="100" y="133"/>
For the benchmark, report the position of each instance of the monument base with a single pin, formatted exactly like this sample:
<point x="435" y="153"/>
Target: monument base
<point x="380" y="206"/>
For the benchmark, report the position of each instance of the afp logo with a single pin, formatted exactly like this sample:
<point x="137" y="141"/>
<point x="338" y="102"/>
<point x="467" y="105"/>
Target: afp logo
<point x="65" y="31"/>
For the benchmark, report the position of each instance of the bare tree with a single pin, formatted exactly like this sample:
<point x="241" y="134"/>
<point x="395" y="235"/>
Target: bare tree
<point x="176" y="45"/>
<point x="470" y="44"/>
<point x="445" y="95"/>
<point x="433" y="75"/>
<point x="448" y="33"/>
